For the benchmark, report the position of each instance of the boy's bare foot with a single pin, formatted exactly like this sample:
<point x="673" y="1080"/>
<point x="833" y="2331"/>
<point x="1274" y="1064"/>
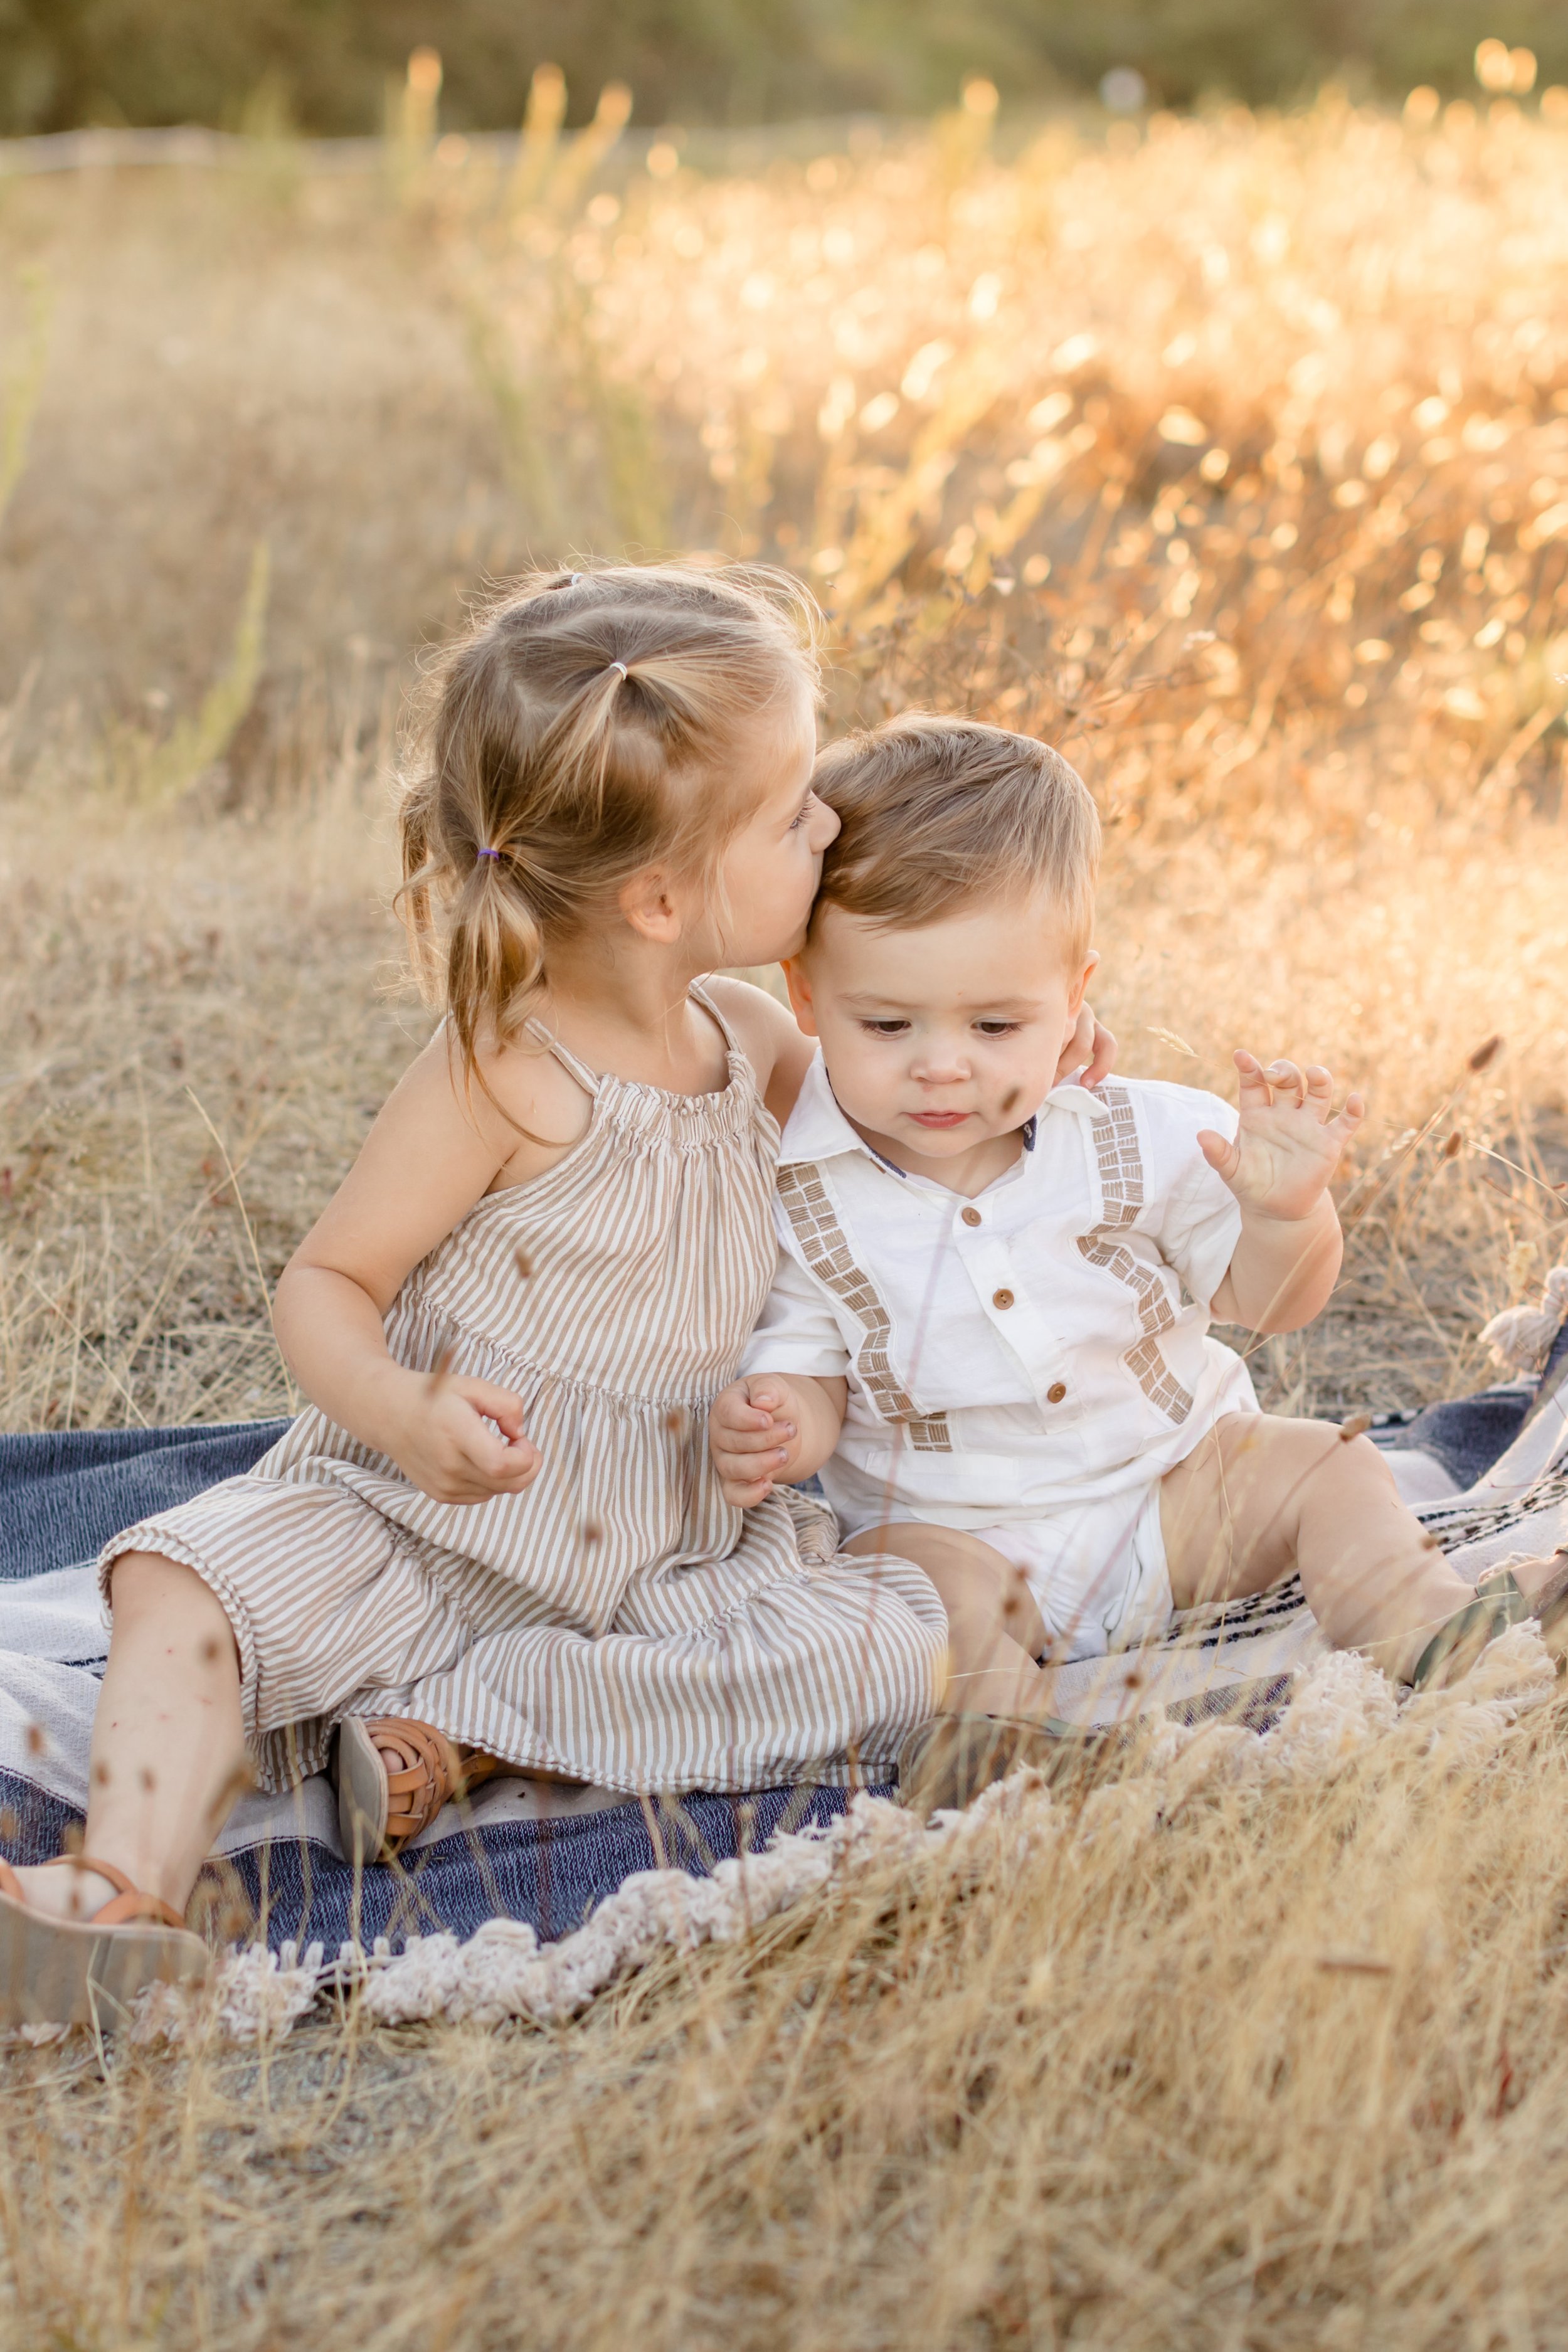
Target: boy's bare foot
<point x="1541" y="1578"/>
<point x="1520" y="1590"/>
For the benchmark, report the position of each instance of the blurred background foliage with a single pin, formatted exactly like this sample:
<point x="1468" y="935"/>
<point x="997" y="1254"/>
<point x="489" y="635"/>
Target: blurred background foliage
<point x="325" y="63"/>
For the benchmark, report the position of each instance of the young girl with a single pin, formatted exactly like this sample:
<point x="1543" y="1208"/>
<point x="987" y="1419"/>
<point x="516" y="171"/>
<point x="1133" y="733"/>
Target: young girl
<point x="497" y="1534"/>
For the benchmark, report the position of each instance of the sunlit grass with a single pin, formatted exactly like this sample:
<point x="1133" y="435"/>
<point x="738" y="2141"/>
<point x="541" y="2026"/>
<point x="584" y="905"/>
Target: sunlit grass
<point x="1234" y="457"/>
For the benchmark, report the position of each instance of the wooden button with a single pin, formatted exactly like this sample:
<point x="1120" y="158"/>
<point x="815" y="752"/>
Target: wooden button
<point x="1056" y="1393"/>
<point x="970" y="1216"/>
<point x="1001" y="1298"/>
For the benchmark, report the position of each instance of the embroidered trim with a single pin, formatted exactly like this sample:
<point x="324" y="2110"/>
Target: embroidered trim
<point x="809" y="1208"/>
<point x="1122" y="1193"/>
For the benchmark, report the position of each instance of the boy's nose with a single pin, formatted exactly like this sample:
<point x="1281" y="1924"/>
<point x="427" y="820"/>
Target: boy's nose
<point x="826" y="827"/>
<point x="940" y="1065"/>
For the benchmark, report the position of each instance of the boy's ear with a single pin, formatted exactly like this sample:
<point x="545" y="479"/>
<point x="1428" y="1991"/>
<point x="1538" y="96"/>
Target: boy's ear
<point x="799" y="984"/>
<point x="1086" y="975"/>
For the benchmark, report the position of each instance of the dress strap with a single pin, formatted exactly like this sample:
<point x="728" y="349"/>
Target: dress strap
<point x="699" y="995"/>
<point x="590" y="1079"/>
<point x="586" y="1079"/>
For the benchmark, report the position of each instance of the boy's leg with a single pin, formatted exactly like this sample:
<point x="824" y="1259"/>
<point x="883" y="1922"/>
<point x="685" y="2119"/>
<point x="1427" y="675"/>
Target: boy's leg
<point x="994" y="1632"/>
<point x="168" y="1741"/>
<point x="1262" y="1495"/>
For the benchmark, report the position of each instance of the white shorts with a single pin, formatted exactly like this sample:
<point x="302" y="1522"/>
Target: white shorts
<point x="1097" y="1570"/>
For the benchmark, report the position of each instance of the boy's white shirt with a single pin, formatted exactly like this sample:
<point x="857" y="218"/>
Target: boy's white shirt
<point x="964" y="1409"/>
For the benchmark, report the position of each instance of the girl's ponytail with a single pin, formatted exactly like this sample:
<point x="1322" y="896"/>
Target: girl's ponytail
<point x="588" y="727"/>
<point x="495" y="952"/>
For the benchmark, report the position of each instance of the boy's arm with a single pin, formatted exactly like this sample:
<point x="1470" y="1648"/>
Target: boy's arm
<point x="1287" y="1147"/>
<point x="1283" y="1273"/>
<point x="773" y="1428"/>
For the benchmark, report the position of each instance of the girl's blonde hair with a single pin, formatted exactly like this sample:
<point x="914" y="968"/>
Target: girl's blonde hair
<point x="589" y="725"/>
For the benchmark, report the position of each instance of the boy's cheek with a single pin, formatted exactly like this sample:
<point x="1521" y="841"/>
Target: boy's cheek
<point x="851" y="1063"/>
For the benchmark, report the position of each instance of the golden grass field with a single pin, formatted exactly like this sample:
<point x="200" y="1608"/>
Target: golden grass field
<point x="1231" y="454"/>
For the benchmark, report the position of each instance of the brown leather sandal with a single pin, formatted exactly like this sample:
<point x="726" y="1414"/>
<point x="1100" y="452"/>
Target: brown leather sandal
<point x="382" y="1807"/>
<point x="88" y="1971"/>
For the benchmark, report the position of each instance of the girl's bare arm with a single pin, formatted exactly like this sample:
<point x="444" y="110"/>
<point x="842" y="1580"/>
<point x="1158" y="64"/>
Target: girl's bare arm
<point x="429" y="1157"/>
<point x="772" y="1042"/>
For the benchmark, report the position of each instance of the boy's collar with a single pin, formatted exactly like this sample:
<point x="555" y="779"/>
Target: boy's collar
<point x="817" y="1130"/>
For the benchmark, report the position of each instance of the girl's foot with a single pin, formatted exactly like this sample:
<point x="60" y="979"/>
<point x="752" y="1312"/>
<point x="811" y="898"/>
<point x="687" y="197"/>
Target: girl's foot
<point x="393" y="1775"/>
<point x="57" y="1968"/>
<point x="73" y="1895"/>
<point x="1527" y="1588"/>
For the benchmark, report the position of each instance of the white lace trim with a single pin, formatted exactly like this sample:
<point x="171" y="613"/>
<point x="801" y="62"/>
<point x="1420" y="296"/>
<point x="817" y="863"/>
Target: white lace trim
<point x="1341" y="1707"/>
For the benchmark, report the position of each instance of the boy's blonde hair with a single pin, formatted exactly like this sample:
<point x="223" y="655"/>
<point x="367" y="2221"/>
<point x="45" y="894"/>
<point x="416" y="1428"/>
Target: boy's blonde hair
<point x="935" y="814"/>
<point x="589" y="725"/>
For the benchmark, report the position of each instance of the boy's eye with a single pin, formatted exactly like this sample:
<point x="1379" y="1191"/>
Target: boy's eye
<point x="998" y="1028"/>
<point x="884" y="1028"/>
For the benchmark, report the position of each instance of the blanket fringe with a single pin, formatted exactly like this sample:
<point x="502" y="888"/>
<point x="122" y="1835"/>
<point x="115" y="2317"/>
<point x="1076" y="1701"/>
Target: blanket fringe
<point x="1339" y="1709"/>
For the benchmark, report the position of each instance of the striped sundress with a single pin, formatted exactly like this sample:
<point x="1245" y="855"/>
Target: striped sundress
<point x="618" y="1622"/>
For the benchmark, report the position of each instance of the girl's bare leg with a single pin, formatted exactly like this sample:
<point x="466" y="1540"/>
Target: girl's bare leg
<point x="1262" y="1496"/>
<point x="168" y="1745"/>
<point x="994" y="1632"/>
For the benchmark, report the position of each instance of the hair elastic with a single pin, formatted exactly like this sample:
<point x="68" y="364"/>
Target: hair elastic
<point x="621" y="667"/>
<point x="487" y="852"/>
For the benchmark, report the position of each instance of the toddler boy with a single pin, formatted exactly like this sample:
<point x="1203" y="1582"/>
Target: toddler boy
<point x="989" y="1331"/>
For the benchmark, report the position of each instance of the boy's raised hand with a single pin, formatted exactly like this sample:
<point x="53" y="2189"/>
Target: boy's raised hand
<point x="1287" y="1147"/>
<point x="754" y="1435"/>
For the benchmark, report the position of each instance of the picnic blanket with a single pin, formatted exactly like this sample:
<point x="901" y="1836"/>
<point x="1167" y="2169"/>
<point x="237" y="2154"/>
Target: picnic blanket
<point x="1489" y="1475"/>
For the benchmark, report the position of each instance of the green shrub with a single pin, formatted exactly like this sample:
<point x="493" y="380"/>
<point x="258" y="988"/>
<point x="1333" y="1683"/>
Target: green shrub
<point x="65" y="62"/>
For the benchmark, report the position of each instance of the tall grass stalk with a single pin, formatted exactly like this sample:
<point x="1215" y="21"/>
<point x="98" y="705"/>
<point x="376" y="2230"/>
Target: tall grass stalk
<point x="1232" y="454"/>
<point x="24" y="383"/>
<point x="165" y="769"/>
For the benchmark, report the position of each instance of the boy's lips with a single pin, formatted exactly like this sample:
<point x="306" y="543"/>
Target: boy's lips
<point x="938" y="1118"/>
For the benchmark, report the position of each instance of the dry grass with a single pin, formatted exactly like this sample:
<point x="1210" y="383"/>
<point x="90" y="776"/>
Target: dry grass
<point x="201" y="1019"/>
<point x="1283" y="2071"/>
<point x="1121" y="2093"/>
<point x="202" y="1014"/>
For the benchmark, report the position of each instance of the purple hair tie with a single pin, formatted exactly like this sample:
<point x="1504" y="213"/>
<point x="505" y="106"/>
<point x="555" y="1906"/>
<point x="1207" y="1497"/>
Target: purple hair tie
<point x="487" y="853"/>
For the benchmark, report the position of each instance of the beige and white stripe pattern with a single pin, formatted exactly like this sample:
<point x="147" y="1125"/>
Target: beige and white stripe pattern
<point x="618" y="1620"/>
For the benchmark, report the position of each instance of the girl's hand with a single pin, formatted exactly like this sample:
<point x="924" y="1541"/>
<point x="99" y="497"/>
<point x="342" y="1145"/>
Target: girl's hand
<point x="753" y="1436"/>
<point x="1287" y="1147"/>
<point x="446" y="1447"/>
<point x="1090" y="1053"/>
